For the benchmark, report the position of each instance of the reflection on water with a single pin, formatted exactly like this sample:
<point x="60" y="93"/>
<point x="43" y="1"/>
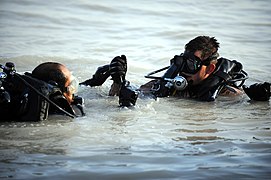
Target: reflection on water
<point x="165" y="138"/>
<point x="141" y="143"/>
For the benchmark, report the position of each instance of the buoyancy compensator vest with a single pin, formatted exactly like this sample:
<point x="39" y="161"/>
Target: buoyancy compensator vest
<point x="32" y="99"/>
<point x="25" y="104"/>
<point x="227" y="73"/>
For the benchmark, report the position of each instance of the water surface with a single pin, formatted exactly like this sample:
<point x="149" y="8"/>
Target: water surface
<point x="165" y="139"/>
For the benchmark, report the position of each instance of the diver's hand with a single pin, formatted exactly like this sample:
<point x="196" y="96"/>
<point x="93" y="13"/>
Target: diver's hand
<point x="99" y="77"/>
<point x="128" y="95"/>
<point x="118" y="68"/>
<point x="258" y="91"/>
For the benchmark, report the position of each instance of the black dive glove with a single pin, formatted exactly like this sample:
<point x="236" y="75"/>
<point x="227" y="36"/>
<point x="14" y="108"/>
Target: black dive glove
<point x="99" y="77"/>
<point x="258" y="91"/>
<point x="128" y="95"/>
<point x="118" y="69"/>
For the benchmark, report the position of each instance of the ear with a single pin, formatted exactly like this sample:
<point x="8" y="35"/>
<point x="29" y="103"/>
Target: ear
<point x="210" y="69"/>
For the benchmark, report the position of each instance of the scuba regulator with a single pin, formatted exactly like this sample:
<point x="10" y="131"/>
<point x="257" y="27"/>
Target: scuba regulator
<point x="170" y="82"/>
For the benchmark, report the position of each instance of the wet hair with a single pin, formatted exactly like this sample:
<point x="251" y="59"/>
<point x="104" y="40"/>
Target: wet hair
<point x="50" y="71"/>
<point x="204" y="43"/>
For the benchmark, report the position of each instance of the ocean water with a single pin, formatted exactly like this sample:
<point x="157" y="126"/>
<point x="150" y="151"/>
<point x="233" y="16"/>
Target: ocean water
<point x="167" y="138"/>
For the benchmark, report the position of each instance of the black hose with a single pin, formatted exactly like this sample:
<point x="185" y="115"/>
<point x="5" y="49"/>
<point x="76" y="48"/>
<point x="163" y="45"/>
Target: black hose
<point x="13" y="72"/>
<point x="46" y="98"/>
<point x="156" y="71"/>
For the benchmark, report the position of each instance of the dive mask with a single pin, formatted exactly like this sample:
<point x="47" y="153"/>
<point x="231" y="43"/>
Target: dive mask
<point x="73" y="86"/>
<point x="193" y="63"/>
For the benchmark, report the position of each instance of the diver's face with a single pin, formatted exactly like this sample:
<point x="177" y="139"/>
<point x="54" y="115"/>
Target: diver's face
<point x="68" y="95"/>
<point x="197" y="78"/>
<point x="202" y="74"/>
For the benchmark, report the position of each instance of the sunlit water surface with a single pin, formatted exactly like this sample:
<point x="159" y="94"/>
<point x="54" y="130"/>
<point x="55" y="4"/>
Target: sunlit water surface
<point x="164" y="139"/>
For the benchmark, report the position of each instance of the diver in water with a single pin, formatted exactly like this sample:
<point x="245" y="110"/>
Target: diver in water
<point x="49" y="89"/>
<point x="197" y="73"/>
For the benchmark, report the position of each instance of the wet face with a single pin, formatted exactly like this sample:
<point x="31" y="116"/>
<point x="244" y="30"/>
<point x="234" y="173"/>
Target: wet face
<point x="197" y="78"/>
<point x="68" y="95"/>
<point x="204" y="71"/>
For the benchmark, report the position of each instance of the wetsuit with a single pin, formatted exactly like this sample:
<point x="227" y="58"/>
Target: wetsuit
<point x="24" y="98"/>
<point x="226" y="75"/>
